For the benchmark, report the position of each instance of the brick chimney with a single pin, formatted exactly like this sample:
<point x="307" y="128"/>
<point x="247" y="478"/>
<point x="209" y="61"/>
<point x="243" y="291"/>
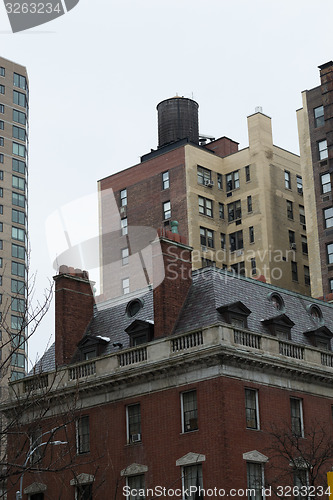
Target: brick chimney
<point x="170" y="295"/>
<point x="74" y="302"/>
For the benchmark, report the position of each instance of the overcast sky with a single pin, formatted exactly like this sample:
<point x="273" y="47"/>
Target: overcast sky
<point x="97" y="73"/>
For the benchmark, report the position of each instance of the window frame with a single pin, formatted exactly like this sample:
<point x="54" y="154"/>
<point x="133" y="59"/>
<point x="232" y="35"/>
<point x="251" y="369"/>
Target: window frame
<point x="319" y="119"/>
<point x="325" y="190"/>
<point x="322" y="149"/>
<point x="166" y="206"/>
<point x="204" y="175"/>
<point x="123" y="197"/>
<point x="206" y="237"/>
<point x="297" y="430"/>
<point x="232" y="181"/>
<point x="186" y="424"/>
<point x="328" y="217"/>
<point x="82" y="435"/>
<point x="165" y="180"/>
<point x="287" y="179"/>
<point x="205" y="206"/>
<point x="255" y="408"/>
<point x="136" y="424"/>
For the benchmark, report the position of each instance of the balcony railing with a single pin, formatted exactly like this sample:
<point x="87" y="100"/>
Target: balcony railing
<point x="187" y="341"/>
<point x="291" y="350"/>
<point x="134" y="356"/>
<point x="82" y="371"/>
<point x="38" y="382"/>
<point x="247" y="338"/>
<point x="327" y="359"/>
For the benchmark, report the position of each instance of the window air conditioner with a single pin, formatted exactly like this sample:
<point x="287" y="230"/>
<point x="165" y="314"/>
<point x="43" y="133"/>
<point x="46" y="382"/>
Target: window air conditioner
<point x="293" y="246"/>
<point x="136" y="438"/>
<point x="209" y="183"/>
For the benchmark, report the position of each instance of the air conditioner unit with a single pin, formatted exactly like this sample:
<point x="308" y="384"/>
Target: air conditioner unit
<point x="122" y="210"/>
<point x="136" y="438"/>
<point x="203" y="249"/>
<point x="239" y="252"/>
<point x="293" y="246"/>
<point x="209" y="183"/>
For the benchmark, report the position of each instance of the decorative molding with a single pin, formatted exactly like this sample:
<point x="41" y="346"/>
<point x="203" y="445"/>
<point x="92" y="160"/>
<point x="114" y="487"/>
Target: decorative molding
<point x="82" y="479"/>
<point x="191" y="459"/>
<point x="255" y="456"/>
<point x="35" y="488"/>
<point x="134" y="469"/>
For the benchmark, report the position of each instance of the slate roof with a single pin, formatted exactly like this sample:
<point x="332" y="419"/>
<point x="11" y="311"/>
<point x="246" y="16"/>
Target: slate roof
<point x="211" y="289"/>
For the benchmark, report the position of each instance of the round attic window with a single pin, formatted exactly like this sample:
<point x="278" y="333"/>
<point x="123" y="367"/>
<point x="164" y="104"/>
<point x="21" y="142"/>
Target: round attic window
<point x="133" y="307"/>
<point x="316" y="314"/>
<point x="277" y="301"/>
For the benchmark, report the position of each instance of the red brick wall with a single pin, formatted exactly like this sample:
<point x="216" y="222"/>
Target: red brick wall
<point x="74" y="303"/>
<point x="223" y="146"/>
<point x="222" y="437"/>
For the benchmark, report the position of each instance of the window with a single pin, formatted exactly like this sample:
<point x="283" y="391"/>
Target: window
<point x="165" y="180"/>
<point x="82" y="435"/>
<point x="18" y="287"/>
<point x="290" y="211"/>
<point x="206" y="237"/>
<point x="124" y="227"/>
<point x="18" y="233"/>
<point x="19" y="98"/>
<point x="125" y="285"/>
<point x="123" y="197"/>
<point x="325" y="180"/>
<point x="135" y="484"/>
<point x="291" y="239"/>
<point x="2" y="109"/>
<point x="301" y="483"/>
<point x="36" y="440"/>
<point x="207" y="262"/>
<point x="18" y="149"/>
<point x="124" y="256"/>
<point x="18" y="133"/>
<point x="18" y="360"/>
<point x="319" y="116"/>
<point x="221" y="210"/>
<point x="249" y="204"/>
<point x="20" y="81"/>
<point x="301" y="214"/>
<point x="83" y="492"/>
<point x="18" y="216"/>
<point x="322" y="150"/>
<point x="192" y="475"/>
<point x="239" y="269"/>
<point x="2" y="71"/>
<point x="18" y="305"/>
<point x="251" y="234"/>
<point x="1" y="175"/>
<point x="204" y="175"/>
<point x="1" y="248"/>
<point x="304" y="241"/>
<point x="219" y="181"/>
<point x="328" y="217"/>
<point x="2" y="89"/>
<point x="234" y="211"/>
<point x="2" y="141"/>
<point x="294" y="274"/>
<point x="236" y="241"/>
<point x="1" y="227"/>
<point x="1" y="157"/>
<point x="232" y="180"/>
<point x="299" y="182"/>
<point x="330" y="253"/>
<point x="1" y="192"/>
<point x="255" y="481"/>
<point x="287" y="181"/>
<point x="18" y="166"/>
<point x="2" y="124"/>
<point x="307" y="275"/>
<point x="189" y="411"/>
<point x="247" y="173"/>
<point x="296" y="417"/>
<point x="223" y="240"/>
<point x="18" y="269"/>
<point x="205" y="206"/>
<point x="19" y="117"/>
<point x="166" y="210"/>
<point x="251" y="409"/>
<point x="1" y="262"/>
<point x="133" y="423"/>
<point x="18" y="200"/>
<point x="1" y="209"/>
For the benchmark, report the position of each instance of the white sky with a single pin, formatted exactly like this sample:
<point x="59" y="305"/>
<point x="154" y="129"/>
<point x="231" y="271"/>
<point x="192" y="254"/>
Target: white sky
<point x="97" y="74"/>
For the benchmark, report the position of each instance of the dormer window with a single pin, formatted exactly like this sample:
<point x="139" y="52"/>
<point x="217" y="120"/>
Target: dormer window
<point x="133" y="307"/>
<point x="140" y="332"/>
<point x="320" y="337"/>
<point x="235" y="314"/>
<point x="91" y="346"/>
<point x="280" y="326"/>
<point x="276" y="300"/>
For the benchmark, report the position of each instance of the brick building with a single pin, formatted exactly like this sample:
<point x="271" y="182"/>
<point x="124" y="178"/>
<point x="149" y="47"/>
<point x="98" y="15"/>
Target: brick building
<point x="315" y="125"/>
<point x="241" y="210"/>
<point x="196" y="390"/>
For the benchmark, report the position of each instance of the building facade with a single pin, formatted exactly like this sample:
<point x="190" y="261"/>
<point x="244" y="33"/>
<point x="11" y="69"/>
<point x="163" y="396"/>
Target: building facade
<point x="315" y="125"/>
<point x="241" y="210"/>
<point x="14" y="130"/>
<point x="146" y="397"/>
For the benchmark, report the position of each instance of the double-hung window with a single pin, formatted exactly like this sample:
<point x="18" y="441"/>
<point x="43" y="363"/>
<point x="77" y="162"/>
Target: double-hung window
<point x="206" y="237"/>
<point x="205" y="206"/>
<point x="82" y="435"/>
<point x="319" y="116"/>
<point x="189" y="411"/>
<point x="133" y="417"/>
<point x="322" y="150"/>
<point x="296" y="411"/>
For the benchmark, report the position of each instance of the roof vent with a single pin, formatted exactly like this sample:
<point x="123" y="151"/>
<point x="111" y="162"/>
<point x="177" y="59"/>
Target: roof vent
<point x="258" y="109"/>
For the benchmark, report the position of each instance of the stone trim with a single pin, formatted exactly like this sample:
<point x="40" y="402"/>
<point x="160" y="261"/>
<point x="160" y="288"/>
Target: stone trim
<point x="82" y="479"/>
<point x="133" y="470"/>
<point x="255" y="456"/>
<point x="191" y="459"/>
<point x="34" y="488"/>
